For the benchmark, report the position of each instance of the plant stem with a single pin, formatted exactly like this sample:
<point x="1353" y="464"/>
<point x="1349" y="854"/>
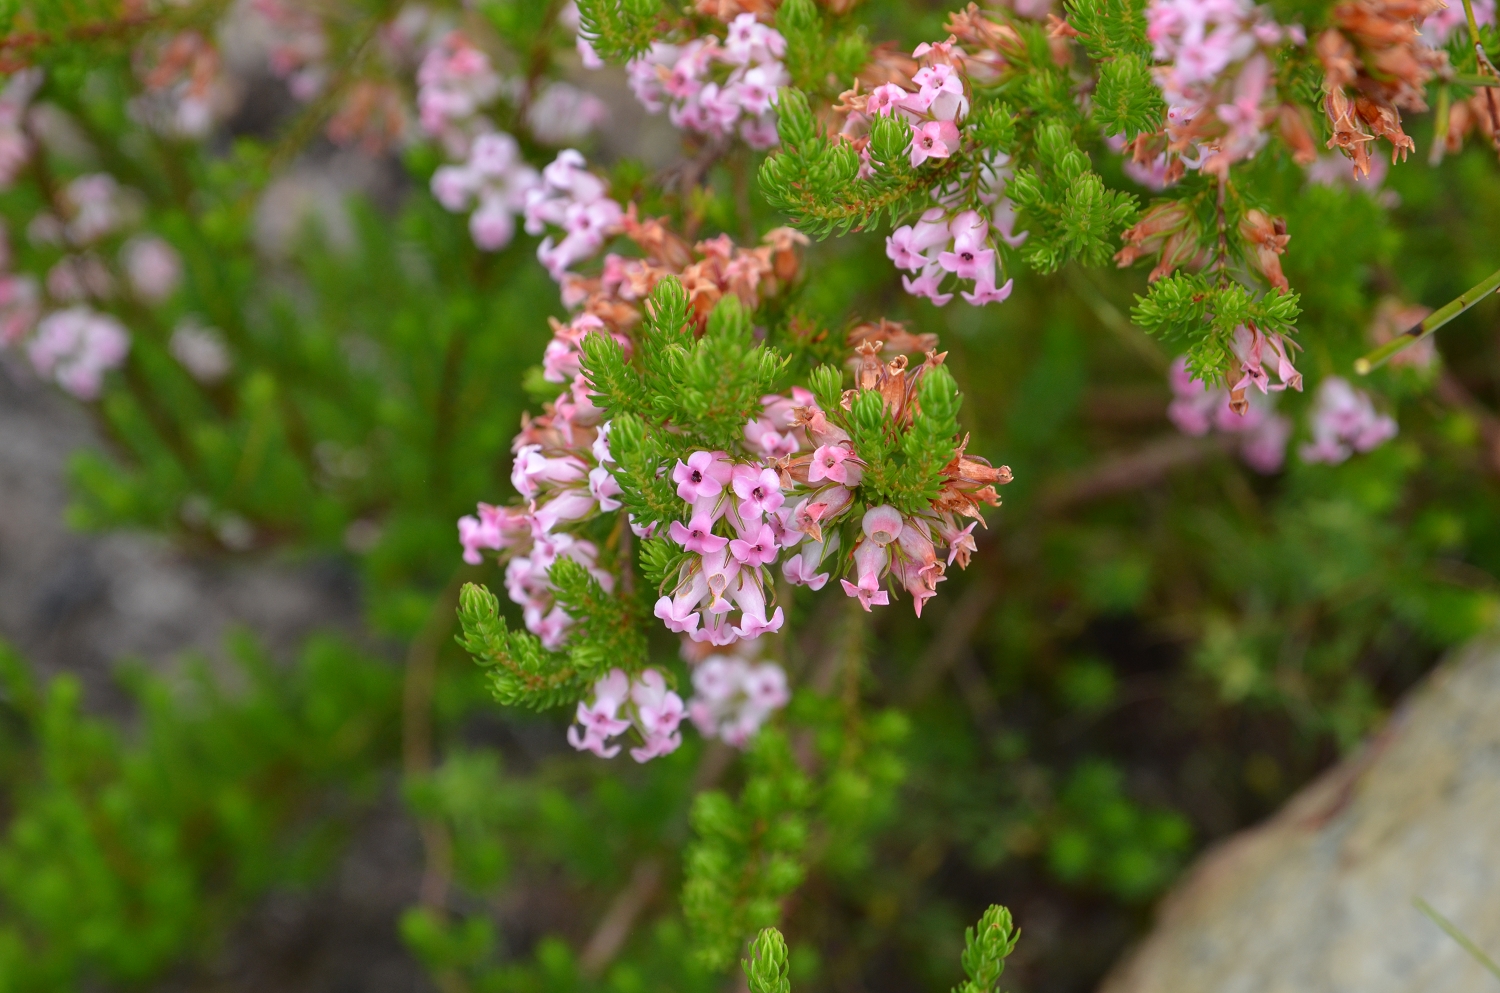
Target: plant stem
<point x="1447" y="925"/>
<point x="1374" y="360"/>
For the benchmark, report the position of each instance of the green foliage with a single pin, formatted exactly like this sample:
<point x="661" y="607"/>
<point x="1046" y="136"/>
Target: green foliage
<point x="747" y="856"/>
<point x="819" y="63"/>
<point x="1101" y="837"/>
<point x="766" y="968"/>
<point x="619" y="30"/>
<point x="814" y="179"/>
<point x="1127" y="100"/>
<point x="607" y="632"/>
<point x="986" y="947"/>
<point x="126" y="852"/>
<point x="904" y="467"/>
<point x="1066" y="207"/>
<point x="1196" y="311"/>
<point x="518" y="670"/>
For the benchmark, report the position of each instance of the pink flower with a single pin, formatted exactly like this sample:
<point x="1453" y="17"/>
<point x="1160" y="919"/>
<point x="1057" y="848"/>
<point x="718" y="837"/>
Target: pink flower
<point x="704" y="474"/>
<point x="870" y="560"/>
<point x="909" y="245"/>
<point x="985" y="291"/>
<point x="748" y="596"/>
<point x="832" y="462"/>
<point x="927" y="285"/>
<point x="153" y="267"/>
<point x="604" y="488"/>
<point x="885" y="99"/>
<point x="755" y="550"/>
<point x="697" y="535"/>
<point x="882" y="524"/>
<point x="759" y="490"/>
<point x="802" y="569"/>
<point x="76" y="347"/>
<point x="1344" y="421"/>
<point x="599" y="720"/>
<point x="933" y="140"/>
<point x="677" y="615"/>
<point x="532" y="470"/>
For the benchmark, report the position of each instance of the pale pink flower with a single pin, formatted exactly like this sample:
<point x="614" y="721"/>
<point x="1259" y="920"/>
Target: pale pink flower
<point x="76" y="347"/>
<point x="933" y="140"/>
<point x="928" y="285"/>
<point x="704" y="474"/>
<point x="882" y="524"/>
<point x="153" y="267"/>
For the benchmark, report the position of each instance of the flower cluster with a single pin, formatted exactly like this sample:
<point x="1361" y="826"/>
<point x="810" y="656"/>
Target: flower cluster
<point x="720" y="594"/>
<point x="185" y="90"/>
<point x="76" y="347"/>
<point x="570" y="198"/>
<point x="1217" y="80"/>
<point x="1375" y="51"/>
<point x="734" y="696"/>
<point x="454" y="82"/>
<point x="620" y="703"/>
<point x="494" y="179"/>
<point x="1344" y="421"/>
<point x="1197" y="409"/>
<point x="715" y="87"/>
<point x="961" y="237"/>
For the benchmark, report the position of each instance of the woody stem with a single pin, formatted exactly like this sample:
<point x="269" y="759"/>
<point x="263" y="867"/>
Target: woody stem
<point x="1364" y="366"/>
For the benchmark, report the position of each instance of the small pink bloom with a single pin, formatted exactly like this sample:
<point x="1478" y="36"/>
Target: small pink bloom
<point x="933" y="140"/>
<point x="759" y="490"/>
<point x="927" y="285"/>
<point x="755" y="551"/>
<point x="704" y="474"/>
<point x="697" y="535"/>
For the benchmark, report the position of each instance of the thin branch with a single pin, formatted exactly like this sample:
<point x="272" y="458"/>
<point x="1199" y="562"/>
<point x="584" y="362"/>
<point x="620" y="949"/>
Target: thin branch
<point x="1144" y="467"/>
<point x="610" y="936"/>
<point x="1453" y="932"/>
<point x="1374" y="360"/>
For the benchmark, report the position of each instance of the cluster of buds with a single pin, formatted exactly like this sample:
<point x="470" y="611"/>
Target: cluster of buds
<point x="1198" y="409"/>
<point x="621" y="703"/>
<point x="709" y="270"/>
<point x="1344" y="421"/>
<point x="715" y="87"/>
<point x="1169" y="232"/>
<point x="734" y="696"/>
<point x="1218" y="60"/>
<point x="1376" y="53"/>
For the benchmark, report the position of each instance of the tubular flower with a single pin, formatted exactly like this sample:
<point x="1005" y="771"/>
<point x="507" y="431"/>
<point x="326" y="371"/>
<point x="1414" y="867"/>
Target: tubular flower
<point x="621" y="703"/>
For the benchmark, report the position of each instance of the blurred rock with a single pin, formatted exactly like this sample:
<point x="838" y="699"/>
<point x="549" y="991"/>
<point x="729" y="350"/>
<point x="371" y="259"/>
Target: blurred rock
<point x="79" y="603"/>
<point x="1320" y="899"/>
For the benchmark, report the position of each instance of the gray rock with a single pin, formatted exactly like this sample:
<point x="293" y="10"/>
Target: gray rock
<point x="1321" y="898"/>
<point x="81" y="604"/>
